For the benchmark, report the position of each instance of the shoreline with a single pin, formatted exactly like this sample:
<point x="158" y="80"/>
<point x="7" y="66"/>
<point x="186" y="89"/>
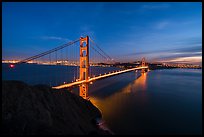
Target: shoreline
<point x="46" y="111"/>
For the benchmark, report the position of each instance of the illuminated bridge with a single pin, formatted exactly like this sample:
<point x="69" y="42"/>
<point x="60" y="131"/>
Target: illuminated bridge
<point x="86" y="58"/>
<point x="97" y="77"/>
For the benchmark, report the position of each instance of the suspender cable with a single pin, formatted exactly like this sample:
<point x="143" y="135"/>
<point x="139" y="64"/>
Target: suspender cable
<point x="61" y="67"/>
<point x="67" y="51"/>
<point x="47" y="52"/>
<point x="98" y="52"/>
<point x="56" y="68"/>
<point x="75" y="69"/>
<point x="77" y="61"/>
<point x="102" y="51"/>
<point x="90" y="67"/>
<point x="49" y="61"/>
<point x="73" y="63"/>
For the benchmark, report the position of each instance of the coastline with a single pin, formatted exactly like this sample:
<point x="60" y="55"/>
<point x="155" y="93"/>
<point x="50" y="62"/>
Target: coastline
<point x="37" y="110"/>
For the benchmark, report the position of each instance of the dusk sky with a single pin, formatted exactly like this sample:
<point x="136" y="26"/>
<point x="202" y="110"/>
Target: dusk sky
<point x="158" y="31"/>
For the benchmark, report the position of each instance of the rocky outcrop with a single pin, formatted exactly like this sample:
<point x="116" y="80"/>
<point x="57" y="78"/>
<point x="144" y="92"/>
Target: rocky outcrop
<point x="42" y="110"/>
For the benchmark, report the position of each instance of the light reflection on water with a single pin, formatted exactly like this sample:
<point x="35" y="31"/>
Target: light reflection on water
<point x="111" y="105"/>
<point x="158" y="102"/>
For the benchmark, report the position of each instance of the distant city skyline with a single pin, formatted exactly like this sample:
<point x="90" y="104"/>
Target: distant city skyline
<point x="158" y="31"/>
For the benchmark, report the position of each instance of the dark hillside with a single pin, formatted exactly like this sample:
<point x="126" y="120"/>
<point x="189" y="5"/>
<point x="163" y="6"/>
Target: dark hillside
<point x="42" y="110"/>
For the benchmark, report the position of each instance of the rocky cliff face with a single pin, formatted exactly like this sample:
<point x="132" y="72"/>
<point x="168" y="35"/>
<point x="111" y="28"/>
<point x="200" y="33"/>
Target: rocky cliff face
<point x="42" y="110"/>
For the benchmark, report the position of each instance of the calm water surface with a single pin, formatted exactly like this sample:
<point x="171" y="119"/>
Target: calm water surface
<point x="157" y="102"/>
<point x="52" y="75"/>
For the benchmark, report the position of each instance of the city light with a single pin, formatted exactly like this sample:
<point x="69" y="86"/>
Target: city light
<point x="11" y="65"/>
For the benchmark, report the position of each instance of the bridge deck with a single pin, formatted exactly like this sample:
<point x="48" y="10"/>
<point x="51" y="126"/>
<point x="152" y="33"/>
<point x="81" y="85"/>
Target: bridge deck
<point x="97" y="77"/>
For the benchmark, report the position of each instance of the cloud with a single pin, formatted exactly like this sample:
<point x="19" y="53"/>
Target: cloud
<point x="185" y="59"/>
<point x="178" y="55"/>
<point x="173" y="51"/>
<point x="55" y="38"/>
<point x="196" y="41"/>
<point x="162" y="25"/>
<point x="182" y="55"/>
<point x="87" y="31"/>
<point x="186" y="54"/>
<point x="192" y="60"/>
<point x="155" y="6"/>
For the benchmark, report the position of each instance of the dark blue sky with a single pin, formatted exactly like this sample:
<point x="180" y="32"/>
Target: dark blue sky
<point x="167" y="31"/>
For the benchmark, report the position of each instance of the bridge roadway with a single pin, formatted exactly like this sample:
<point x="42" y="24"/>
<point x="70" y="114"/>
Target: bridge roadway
<point x="97" y="77"/>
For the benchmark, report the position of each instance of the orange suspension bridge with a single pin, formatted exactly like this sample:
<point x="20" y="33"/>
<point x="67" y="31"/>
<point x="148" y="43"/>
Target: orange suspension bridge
<point x="88" y="60"/>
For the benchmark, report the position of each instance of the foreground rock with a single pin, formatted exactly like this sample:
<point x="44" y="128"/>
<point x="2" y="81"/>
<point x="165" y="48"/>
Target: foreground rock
<point x="42" y="110"/>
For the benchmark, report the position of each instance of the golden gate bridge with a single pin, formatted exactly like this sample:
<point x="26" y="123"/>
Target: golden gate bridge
<point x="87" y="57"/>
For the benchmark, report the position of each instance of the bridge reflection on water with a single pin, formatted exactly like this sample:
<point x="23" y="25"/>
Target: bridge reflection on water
<point x="112" y="106"/>
<point x="139" y="84"/>
<point x="156" y="103"/>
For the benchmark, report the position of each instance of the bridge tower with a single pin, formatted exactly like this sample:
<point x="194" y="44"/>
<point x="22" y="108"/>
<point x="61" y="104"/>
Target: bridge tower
<point x="143" y="64"/>
<point x="84" y="66"/>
